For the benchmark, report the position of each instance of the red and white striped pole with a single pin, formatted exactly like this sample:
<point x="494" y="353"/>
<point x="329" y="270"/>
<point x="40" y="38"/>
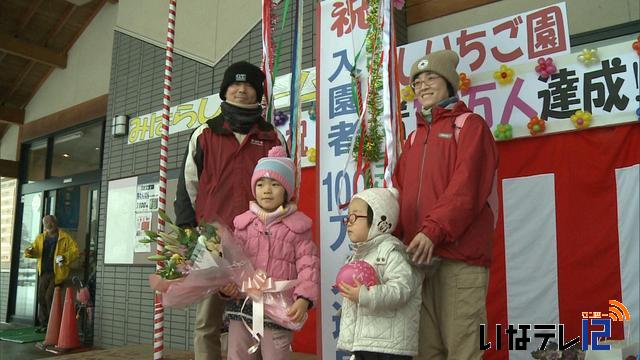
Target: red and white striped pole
<point x="158" y="310"/>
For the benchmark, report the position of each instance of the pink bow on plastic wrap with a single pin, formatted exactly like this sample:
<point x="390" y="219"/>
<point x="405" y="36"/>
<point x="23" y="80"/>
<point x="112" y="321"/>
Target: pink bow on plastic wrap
<point x="271" y="298"/>
<point x="257" y="286"/>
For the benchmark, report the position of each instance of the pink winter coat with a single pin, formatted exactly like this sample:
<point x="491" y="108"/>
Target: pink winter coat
<point x="281" y="244"/>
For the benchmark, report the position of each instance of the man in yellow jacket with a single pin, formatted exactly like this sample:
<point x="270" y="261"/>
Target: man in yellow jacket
<point x="55" y="251"/>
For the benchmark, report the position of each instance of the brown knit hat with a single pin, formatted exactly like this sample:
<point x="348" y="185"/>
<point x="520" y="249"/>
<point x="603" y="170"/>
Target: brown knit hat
<point x="443" y="63"/>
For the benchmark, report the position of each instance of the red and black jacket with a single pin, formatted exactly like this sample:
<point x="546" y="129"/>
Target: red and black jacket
<point x="215" y="181"/>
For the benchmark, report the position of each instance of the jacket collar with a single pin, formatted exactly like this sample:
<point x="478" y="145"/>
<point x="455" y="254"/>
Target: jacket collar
<point x="274" y="216"/>
<point x="61" y="234"/>
<point x="261" y="130"/>
<point x="439" y="112"/>
<point x="362" y="249"/>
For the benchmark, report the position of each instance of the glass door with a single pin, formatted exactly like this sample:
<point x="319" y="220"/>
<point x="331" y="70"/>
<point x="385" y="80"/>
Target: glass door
<point x="27" y="277"/>
<point x="60" y="175"/>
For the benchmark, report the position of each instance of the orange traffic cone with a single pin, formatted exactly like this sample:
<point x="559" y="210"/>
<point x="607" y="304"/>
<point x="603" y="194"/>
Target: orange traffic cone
<point x="68" y="338"/>
<point x="55" y="317"/>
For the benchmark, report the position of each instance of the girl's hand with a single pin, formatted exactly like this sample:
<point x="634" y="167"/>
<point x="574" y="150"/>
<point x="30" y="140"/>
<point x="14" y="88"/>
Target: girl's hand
<point x="351" y="292"/>
<point x="298" y="309"/>
<point x="230" y="290"/>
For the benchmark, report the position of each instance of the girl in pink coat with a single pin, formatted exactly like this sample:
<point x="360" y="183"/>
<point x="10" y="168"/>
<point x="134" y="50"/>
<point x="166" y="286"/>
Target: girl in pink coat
<point x="276" y="237"/>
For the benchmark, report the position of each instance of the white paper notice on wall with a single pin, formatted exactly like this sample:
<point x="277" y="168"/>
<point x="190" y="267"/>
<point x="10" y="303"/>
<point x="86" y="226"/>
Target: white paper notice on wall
<point x="143" y="223"/>
<point x="121" y="221"/>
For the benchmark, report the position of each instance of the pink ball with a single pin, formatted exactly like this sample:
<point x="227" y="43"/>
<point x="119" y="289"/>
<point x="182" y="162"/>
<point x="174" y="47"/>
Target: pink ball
<point x="362" y="270"/>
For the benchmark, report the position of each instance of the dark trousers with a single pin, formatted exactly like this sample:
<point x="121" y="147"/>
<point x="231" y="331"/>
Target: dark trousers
<point x="365" y="355"/>
<point x="46" y="285"/>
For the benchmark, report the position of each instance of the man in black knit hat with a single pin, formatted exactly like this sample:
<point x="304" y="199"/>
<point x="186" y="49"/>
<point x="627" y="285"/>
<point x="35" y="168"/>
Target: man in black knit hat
<point x="215" y="181"/>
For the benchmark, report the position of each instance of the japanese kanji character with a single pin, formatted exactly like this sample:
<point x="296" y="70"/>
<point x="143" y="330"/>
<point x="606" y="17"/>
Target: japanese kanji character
<point x="185" y="111"/>
<point x="485" y="101"/>
<point x="514" y="101"/>
<point x="446" y="42"/>
<point x="138" y="127"/>
<point x="546" y="336"/>
<point x="336" y="318"/>
<point x="611" y="97"/>
<point x="565" y="345"/>
<point x="561" y="94"/>
<point x="340" y="137"/>
<point x="344" y="63"/>
<point x="520" y="341"/>
<point x="467" y="45"/>
<point x="512" y="26"/>
<point x="511" y="332"/>
<point x="343" y="231"/>
<point x="483" y="342"/>
<point x="156" y="121"/>
<point x="341" y="101"/>
<point x="545" y="32"/>
<point x="347" y="17"/>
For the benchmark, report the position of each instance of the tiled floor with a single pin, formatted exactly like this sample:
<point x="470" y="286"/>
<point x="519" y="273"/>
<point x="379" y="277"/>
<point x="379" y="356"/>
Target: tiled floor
<point x="15" y="351"/>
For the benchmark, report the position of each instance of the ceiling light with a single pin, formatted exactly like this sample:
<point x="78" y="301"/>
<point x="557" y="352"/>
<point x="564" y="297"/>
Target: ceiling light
<point x="68" y="137"/>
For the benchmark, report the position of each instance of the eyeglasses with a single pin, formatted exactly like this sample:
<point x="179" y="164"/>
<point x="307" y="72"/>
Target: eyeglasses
<point x="352" y="218"/>
<point x="419" y="84"/>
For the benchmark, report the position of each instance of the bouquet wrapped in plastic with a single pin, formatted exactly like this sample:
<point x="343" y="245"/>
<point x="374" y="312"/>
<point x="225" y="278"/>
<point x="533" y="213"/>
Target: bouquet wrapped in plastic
<point x="270" y="297"/>
<point x="200" y="261"/>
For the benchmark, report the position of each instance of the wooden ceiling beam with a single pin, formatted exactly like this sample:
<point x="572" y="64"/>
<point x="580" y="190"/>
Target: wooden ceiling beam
<point x="11" y="115"/>
<point x="26" y="18"/>
<point x="18" y="81"/>
<point x="62" y="21"/>
<point x="96" y="10"/>
<point x="33" y="52"/>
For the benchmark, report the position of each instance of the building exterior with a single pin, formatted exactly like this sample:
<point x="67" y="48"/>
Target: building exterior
<point x="115" y="67"/>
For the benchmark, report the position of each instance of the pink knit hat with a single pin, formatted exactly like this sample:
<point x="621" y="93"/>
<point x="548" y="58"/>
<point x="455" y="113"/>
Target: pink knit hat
<point x="275" y="166"/>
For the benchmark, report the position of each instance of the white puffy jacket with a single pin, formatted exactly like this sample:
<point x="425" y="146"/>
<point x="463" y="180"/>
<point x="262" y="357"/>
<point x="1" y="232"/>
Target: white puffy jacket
<point x="387" y="318"/>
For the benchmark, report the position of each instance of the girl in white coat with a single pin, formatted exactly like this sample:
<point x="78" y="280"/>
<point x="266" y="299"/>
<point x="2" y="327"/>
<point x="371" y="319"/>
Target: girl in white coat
<point x="379" y="322"/>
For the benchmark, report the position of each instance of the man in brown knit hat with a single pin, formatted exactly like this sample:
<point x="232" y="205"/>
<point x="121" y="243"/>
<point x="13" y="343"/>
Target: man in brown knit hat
<point x="445" y="176"/>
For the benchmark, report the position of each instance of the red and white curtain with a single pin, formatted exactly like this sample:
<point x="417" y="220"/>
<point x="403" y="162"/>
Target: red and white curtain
<point x="568" y="233"/>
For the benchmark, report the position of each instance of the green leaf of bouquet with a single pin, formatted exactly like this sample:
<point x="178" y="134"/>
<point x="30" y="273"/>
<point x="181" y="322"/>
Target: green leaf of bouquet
<point x="163" y="215"/>
<point x="168" y="239"/>
<point x="174" y="249"/>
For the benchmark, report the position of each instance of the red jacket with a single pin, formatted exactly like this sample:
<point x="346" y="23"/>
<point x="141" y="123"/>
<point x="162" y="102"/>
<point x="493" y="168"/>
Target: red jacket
<point x="215" y="181"/>
<point x="444" y="185"/>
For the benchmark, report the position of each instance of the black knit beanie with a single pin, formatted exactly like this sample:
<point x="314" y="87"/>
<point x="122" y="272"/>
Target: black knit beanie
<point x="243" y="71"/>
